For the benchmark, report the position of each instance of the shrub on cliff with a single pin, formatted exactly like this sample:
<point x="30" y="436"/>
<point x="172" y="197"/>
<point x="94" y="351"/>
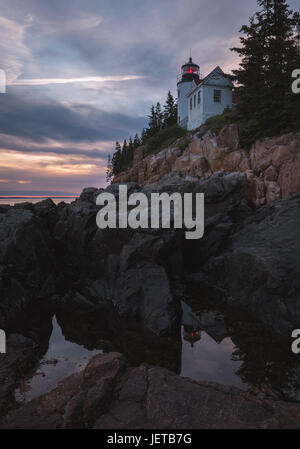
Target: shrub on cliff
<point x="164" y="138"/>
<point x="248" y="131"/>
<point x="217" y="122"/>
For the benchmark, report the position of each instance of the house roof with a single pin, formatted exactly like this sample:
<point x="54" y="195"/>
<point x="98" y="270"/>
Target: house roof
<point x="206" y="79"/>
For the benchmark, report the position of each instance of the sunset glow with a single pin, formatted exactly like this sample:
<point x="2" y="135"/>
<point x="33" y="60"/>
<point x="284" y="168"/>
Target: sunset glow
<point x="78" y="79"/>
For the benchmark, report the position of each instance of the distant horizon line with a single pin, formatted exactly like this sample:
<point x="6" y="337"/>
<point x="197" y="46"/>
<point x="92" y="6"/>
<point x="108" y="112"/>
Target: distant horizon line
<point x="38" y="196"/>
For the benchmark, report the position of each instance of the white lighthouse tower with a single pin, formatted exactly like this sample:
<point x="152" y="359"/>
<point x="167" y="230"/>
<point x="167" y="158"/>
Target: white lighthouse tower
<point x="189" y="73"/>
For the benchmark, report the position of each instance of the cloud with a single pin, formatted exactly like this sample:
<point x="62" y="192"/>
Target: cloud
<point x="36" y="118"/>
<point x="14" y="52"/>
<point x="51" y="171"/>
<point x="57" y="122"/>
<point x="87" y="79"/>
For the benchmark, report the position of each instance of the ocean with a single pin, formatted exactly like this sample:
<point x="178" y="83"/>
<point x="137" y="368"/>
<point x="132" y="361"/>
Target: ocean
<point x="11" y="200"/>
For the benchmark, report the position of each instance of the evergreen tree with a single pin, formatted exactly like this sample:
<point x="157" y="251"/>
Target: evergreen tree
<point x="130" y="151"/>
<point x="143" y="137"/>
<point x="136" y="141"/>
<point x="170" y="111"/>
<point x="116" y="159"/>
<point x="159" y="117"/>
<point x="109" y="169"/>
<point x="152" y="123"/>
<point x="269" y="55"/>
<point x="124" y="153"/>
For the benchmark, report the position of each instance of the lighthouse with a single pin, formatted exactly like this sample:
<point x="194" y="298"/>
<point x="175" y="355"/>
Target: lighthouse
<point x="189" y="73"/>
<point x="200" y="98"/>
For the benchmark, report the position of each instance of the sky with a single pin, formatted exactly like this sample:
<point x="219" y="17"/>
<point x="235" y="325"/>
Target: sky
<point x="82" y="74"/>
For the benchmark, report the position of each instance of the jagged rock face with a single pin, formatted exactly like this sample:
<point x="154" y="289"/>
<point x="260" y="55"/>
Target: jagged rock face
<point x="272" y="165"/>
<point x="48" y="251"/>
<point x="27" y="256"/>
<point x="58" y="254"/>
<point x="259" y="265"/>
<point x="110" y="394"/>
<point x="135" y="268"/>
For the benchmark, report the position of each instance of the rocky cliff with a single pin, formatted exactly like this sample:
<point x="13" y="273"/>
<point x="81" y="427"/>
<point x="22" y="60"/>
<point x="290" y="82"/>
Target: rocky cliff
<point x="125" y="286"/>
<point x="272" y="165"/>
<point x="58" y="252"/>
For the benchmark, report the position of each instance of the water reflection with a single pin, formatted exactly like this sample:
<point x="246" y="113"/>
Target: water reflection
<point x="207" y="354"/>
<point x="210" y="361"/>
<point x="211" y="344"/>
<point x="230" y="347"/>
<point x="62" y="359"/>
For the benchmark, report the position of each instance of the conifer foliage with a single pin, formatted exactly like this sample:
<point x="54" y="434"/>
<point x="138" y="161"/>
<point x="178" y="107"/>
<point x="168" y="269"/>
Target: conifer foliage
<point x="270" y="52"/>
<point x="158" y="119"/>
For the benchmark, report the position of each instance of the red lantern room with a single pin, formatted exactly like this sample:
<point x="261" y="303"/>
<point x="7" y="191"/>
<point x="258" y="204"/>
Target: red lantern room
<point x="190" y="71"/>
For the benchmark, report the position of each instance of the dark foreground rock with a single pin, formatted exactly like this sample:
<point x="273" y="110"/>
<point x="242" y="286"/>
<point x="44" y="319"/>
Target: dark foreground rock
<point x="109" y="394"/>
<point x="27" y="256"/>
<point x="55" y="257"/>
<point x="259" y="266"/>
<point x="21" y="356"/>
<point x="136" y="268"/>
<point x="57" y="254"/>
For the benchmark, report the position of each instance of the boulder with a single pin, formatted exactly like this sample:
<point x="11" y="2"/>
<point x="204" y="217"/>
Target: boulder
<point x="229" y="137"/>
<point x="110" y="394"/>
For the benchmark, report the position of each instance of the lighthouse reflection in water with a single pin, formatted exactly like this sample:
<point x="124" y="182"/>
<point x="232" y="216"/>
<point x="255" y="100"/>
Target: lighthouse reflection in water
<point x="207" y="348"/>
<point x="191" y="325"/>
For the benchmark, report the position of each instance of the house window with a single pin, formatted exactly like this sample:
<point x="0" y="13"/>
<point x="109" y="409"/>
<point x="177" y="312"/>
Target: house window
<point x="199" y="98"/>
<point x="191" y="104"/>
<point x="217" y="96"/>
<point x="194" y="101"/>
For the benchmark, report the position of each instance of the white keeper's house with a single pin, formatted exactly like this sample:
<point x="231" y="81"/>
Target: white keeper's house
<point x="199" y="99"/>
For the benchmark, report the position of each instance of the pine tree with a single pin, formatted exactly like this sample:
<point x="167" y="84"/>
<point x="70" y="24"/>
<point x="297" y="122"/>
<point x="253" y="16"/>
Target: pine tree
<point x="136" y="141"/>
<point x="130" y="151"/>
<point x="269" y="55"/>
<point x="116" y="159"/>
<point x="170" y="111"/>
<point x="152" y="123"/>
<point x="109" y="169"/>
<point x="159" y="117"/>
<point x="124" y="153"/>
<point x="143" y="137"/>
